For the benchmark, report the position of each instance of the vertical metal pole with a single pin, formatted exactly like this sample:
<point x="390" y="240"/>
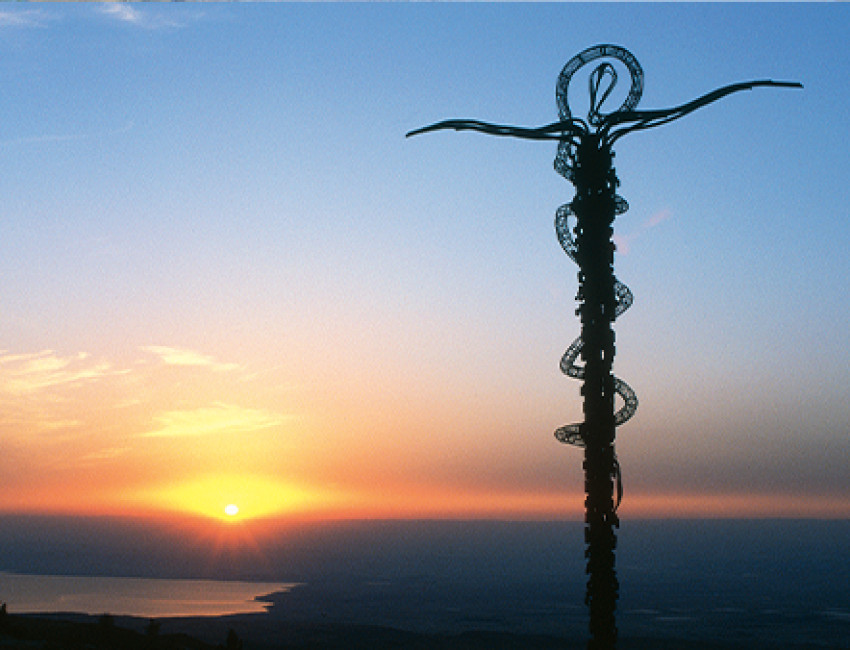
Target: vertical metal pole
<point x="594" y="206"/>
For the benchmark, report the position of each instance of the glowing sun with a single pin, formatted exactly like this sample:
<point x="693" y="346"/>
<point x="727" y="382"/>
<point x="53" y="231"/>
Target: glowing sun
<point x="231" y="510"/>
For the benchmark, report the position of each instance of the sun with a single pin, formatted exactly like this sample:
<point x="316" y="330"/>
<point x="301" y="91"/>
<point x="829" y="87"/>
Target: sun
<point x="239" y="498"/>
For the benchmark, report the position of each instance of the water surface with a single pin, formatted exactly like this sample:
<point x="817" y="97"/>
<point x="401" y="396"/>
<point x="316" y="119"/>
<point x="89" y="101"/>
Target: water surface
<point x="146" y="597"/>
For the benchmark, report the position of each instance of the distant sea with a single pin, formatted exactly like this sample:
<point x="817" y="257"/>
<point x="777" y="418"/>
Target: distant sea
<point x="146" y="597"/>
<point x="739" y="583"/>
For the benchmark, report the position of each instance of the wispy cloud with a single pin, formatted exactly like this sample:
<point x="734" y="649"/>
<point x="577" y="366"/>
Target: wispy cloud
<point x="22" y="374"/>
<point x="183" y="357"/>
<point x="128" y="14"/>
<point x="17" y="417"/>
<point x="122" y="11"/>
<point x="659" y="217"/>
<point x="624" y="241"/>
<point x="68" y="137"/>
<point x="106" y="453"/>
<point x="211" y="420"/>
<point x="23" y="18"/>
<point x="39" y="393"/>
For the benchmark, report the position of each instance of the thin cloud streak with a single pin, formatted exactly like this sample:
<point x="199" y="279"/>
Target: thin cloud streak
<point x="22" y="374"/>
<point x="107" y="453"/>
<point x="184" y="357"/>
<point x="212" y="420"/>
<point x="38" y="421"/>
<point x="30" y="18"/>
<point x="122" y="11"/>
<point x="659" y="217"/>
<point x="130" y="15"/>
<point x="67" y="137"/>
<point x="623" y="242"/>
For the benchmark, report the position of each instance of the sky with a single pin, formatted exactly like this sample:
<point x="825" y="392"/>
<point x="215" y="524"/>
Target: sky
<point x="226" y="276"/>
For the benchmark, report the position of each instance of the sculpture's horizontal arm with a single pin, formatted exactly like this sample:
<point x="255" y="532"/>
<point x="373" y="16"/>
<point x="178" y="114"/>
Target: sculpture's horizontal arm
<point x="647" y="119"/>
<point x="555" y="131"/>
<point x="614" y="125"/>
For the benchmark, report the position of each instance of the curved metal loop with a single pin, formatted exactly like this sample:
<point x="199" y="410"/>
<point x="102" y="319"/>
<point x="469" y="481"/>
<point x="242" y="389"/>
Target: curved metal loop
<point x="595" y="81"/>
<point x="595" y="117"/>
<point x="565" y="159"/>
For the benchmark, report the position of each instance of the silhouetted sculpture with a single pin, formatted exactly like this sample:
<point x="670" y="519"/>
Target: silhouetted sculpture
<point x="585" y="158"/>
<point x="233" y="641"/>
<point x="153" y="628"/>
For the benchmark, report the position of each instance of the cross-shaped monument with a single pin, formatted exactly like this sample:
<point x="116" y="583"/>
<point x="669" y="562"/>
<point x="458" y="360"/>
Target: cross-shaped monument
<point x="585" y="158"/>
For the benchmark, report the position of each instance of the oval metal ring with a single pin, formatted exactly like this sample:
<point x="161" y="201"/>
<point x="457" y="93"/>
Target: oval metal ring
<point x="591" y="54"/>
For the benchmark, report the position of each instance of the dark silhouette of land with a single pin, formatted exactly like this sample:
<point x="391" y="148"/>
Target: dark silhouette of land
<point x="72" y="632"/>
<point x="710" y="585"/>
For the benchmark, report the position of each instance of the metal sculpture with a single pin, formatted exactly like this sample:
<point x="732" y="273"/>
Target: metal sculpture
<point x="585" y="158"/>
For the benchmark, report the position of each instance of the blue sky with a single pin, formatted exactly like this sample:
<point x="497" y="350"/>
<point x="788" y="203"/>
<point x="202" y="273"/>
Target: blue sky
<point x="232" y="181"/>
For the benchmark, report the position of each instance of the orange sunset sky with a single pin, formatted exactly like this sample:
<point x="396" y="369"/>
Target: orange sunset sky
<point x="226" y="277"/>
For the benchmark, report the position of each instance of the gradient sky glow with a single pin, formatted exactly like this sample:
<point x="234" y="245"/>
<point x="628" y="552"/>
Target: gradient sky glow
<point x="227" y="277"/>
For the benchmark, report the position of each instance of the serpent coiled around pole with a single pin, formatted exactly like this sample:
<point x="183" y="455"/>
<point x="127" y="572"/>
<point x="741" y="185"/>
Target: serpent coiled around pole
<point x="571" y="433"/>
